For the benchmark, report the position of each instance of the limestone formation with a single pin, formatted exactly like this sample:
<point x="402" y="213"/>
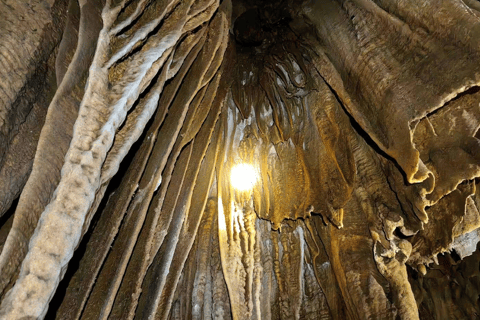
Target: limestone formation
<point x="121" y="121"/>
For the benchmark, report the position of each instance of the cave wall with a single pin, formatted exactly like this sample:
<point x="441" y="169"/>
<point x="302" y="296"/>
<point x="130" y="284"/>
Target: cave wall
<point x="121" y="122"/>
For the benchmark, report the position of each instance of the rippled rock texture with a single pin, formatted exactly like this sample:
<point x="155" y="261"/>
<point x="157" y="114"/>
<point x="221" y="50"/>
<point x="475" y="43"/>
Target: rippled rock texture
<point x="121" y="120"/>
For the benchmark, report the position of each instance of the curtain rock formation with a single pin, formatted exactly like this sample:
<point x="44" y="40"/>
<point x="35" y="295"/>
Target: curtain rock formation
<point x="121" y="120"/>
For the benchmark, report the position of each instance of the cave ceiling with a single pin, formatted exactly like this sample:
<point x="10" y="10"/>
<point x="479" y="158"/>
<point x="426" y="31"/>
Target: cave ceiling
<point x="239" y="159"/>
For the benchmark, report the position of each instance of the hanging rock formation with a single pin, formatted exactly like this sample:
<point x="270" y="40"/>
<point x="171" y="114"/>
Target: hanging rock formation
<point x="121" y="120"/>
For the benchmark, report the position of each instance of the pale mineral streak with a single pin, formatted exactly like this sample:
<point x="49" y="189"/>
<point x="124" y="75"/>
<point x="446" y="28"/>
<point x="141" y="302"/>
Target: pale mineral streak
<point x="120" y="122"/>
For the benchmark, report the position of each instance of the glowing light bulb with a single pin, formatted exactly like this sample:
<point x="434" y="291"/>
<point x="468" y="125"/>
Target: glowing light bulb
<point x="243" y="177"/>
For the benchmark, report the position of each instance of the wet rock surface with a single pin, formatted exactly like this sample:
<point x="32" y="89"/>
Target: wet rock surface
<point x="359" y="119"/>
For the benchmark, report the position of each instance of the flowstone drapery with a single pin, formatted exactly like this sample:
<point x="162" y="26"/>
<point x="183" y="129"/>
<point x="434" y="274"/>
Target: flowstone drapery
<point x="121" y="121"/>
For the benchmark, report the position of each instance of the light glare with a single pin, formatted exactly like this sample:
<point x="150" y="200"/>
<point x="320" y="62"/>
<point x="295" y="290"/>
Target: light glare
<point x="243" y="177"/>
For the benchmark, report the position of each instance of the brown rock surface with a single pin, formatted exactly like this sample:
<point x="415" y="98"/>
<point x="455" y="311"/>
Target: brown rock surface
<point x="122" y="120"/>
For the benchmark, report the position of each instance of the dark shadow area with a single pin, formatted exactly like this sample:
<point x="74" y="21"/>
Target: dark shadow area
<point x="452" y="286"/>
<point x="6" y="222"/>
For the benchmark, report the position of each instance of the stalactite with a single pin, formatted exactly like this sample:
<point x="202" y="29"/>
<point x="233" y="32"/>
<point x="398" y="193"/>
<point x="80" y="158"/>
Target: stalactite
<point x="356" y="123"/>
